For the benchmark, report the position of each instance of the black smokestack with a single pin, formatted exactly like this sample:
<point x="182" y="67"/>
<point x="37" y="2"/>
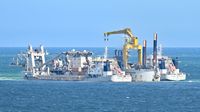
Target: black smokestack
<point x="144" y="52"/>
<point x="155" y="49"/>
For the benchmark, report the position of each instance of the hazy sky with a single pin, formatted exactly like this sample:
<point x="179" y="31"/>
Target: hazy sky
<point x="76" y="23"/>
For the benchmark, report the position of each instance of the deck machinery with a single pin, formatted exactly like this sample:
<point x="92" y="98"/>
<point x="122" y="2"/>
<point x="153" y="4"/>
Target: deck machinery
<point x="131" y="43"/>
<point x="139" y="71"/>
<point x="70" y="65"/>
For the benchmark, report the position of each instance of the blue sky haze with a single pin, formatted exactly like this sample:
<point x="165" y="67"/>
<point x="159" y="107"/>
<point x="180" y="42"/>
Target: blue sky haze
<point x="81" y="23"/>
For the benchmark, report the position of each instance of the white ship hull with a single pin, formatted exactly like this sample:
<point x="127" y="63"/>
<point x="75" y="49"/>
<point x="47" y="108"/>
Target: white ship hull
<point x="173" y="77"/>
<point x="144" y="76"/>
<point x="122" y="78"/>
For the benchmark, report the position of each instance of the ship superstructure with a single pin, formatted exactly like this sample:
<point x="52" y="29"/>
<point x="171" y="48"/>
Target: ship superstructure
<point x="70" y="65"/>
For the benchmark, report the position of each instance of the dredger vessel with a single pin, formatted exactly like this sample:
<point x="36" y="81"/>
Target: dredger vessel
<point x="83" y="66"/>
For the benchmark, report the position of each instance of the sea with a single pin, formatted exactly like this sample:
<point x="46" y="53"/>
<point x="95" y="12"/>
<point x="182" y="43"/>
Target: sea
<point x="20" y="95"/>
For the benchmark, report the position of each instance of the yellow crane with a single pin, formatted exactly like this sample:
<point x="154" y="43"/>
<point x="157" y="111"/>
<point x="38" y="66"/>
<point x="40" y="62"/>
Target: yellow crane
<point x="132" y="44"/>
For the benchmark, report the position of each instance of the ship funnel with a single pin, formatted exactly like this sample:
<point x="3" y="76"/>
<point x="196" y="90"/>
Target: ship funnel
<point x="155" y="50"/>
<point x="144" y="53"/>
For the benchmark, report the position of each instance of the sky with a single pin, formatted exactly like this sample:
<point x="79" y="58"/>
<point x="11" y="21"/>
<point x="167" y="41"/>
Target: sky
<point x="81" y="23"/>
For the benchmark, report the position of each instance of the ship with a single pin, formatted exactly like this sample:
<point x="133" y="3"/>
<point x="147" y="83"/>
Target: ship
<point x="68" y="66"/>
<point x="152" y="68"/>
<point x="168" y="67"/>
<point x="19" y="60"/>
<point x="76" y="65"/>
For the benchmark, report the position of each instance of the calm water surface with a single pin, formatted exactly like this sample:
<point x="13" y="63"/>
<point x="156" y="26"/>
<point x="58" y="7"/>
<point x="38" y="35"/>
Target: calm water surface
<point x="18" y="95"/>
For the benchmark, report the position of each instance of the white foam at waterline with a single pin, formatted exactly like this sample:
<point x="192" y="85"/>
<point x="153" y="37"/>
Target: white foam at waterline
<point x="10" y="78"/>
<point x="192" y="81"/>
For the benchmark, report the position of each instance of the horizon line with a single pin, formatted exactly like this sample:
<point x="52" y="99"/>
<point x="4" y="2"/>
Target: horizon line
<point x="92" y="47"/>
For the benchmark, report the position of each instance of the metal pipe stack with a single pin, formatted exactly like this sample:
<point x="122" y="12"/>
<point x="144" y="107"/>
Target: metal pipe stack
<point x="155" y="50"/>
<point x="144" y="53"/>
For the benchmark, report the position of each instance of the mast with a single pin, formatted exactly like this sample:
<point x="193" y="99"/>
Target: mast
<point x="106" y="49"/>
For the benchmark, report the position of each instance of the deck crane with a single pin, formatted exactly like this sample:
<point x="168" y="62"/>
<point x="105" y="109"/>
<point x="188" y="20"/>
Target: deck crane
<point x="132" y="44"/>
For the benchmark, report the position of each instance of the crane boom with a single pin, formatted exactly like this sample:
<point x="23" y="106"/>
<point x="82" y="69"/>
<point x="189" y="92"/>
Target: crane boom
<point x="126" y="31"/>
<point x="130" y="45"/>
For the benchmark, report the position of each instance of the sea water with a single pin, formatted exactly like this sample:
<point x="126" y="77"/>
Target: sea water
<point x="19" y="95"/>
